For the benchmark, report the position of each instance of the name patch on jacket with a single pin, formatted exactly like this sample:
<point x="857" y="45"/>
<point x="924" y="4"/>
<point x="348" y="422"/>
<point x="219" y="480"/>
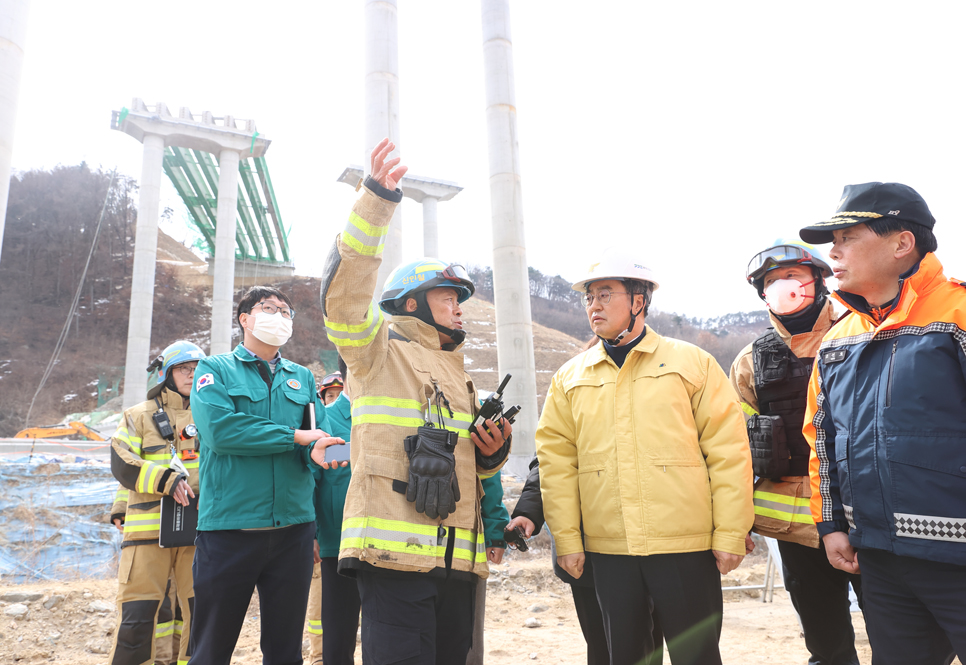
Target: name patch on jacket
<point x="830" y="356"/>
<point x="293" y="384"/>
<point x="205" y="380"/>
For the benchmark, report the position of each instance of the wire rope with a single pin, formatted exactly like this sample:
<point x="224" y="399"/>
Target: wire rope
<point x="70" y="314"/>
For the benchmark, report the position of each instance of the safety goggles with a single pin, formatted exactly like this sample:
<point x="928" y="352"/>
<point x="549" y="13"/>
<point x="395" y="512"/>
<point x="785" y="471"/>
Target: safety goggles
<point x="454" y="272"/>
<point x="774" y="257"/>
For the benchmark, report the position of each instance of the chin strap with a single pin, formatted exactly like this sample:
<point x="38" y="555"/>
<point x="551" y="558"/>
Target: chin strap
<point x="810" y="312"/>
<point x="424" y="314"/>
<point x="630" y="327"/>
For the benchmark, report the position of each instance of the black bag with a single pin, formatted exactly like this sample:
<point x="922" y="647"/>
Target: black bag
<point x="770" y="457"/>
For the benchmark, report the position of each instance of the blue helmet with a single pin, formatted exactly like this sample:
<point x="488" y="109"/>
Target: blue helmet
<point x="176" y="354"/>
<point x="420" y="276"/>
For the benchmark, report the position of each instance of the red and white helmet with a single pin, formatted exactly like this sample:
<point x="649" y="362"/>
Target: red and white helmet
<point x="616" y="263"/>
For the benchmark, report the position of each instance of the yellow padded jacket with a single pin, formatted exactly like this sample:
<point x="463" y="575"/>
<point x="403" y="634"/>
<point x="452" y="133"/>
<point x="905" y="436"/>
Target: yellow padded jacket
<point x="140" y="460"/>
<point x="391" y="380"/>
<point x="652" y="457"/>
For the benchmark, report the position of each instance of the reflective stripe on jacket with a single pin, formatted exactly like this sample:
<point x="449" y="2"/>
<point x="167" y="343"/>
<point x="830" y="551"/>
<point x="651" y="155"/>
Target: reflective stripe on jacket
<point x="391" y="381"/>
<point x="886" y="420"/>
<point x="140" y="460"/>
<point x="782" y="507"/>
<point x="653" y="456"/>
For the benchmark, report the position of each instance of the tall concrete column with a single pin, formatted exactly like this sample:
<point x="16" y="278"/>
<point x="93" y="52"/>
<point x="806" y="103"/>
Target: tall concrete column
<point x="430" y="232"/>
<point x="511" y="285"/>
<point x="142" y="280"/>
<point x="13" y="32"/>
<point x="382" y="107"/>
<point x="223" y="288"/>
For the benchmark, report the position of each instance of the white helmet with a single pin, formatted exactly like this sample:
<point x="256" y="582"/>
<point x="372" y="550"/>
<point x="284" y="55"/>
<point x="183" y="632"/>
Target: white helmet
<point x="615" y="263"/>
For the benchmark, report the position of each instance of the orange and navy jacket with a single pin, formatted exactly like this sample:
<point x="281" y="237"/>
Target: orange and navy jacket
<point x="886" y="421"/>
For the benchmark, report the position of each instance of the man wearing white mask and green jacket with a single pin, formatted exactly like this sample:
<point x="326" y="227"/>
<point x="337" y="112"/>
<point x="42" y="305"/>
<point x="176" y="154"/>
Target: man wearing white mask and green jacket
<point x="256" y="521"/>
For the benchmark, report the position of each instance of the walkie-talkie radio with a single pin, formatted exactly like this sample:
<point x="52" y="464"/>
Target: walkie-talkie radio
<point x="516" y="537"/>
<point x="492" y="409"/>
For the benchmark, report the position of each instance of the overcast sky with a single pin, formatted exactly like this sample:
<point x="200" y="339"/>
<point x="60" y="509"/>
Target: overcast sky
<point x="695" y="133"/>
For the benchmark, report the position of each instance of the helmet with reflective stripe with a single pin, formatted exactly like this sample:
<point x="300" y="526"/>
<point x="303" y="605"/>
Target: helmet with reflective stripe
<point x="176" y="354"/>
<point x="420" y="276"/>
<point x="783" y="254"/>
<point x="616" y="263"/>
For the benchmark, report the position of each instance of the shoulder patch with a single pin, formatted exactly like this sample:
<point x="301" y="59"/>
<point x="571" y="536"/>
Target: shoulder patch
<point x="205" y="380"/>
<point x="294" y="384"/>
<point x="834" y="355"/>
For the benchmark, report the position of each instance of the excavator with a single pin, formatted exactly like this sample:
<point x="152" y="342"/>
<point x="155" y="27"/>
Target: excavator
<point x="71" y="429"/>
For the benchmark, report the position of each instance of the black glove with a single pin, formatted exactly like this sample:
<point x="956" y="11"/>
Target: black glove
<point x="432" y="471"/>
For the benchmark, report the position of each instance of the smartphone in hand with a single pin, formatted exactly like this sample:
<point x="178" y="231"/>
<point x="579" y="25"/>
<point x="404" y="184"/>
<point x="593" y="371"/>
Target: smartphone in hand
<point x="337" y="453"/>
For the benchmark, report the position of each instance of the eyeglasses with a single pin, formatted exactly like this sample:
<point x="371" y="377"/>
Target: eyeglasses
<point x="185" y="370"/>
<point x="269" y="308"/>
<point x="603" y="297"/>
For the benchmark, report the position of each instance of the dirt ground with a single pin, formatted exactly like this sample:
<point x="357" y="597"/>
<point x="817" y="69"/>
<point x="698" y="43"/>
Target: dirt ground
<point x="79" y="630"/>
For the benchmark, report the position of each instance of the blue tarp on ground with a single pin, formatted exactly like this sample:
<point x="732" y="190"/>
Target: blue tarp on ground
<point x="53" y="519"/>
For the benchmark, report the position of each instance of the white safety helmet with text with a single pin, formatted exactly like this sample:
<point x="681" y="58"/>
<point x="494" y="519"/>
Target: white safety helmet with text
<point x="618" y="264"/>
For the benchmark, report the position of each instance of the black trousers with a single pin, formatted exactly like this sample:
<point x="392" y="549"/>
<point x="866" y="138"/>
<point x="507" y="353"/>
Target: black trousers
<point x="340" y="614"/>
<point x="591" y="624"/>
<point x="682" y="590"/>
<point x="915" y="609"/>
<point x="415" y="618"/>
<point x="228" y="567"/>
<point x="820" y="594"/>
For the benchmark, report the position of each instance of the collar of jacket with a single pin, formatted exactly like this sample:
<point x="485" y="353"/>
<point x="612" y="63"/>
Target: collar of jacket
<point x="923" y="278"/>
<point x="419" y="331"/>
<point x="342" y="406"/>
<point x="243" y="354"/>
<point x="824" y="321"/>
<point x="171" y="400"/>
<point x="649" y="344"/>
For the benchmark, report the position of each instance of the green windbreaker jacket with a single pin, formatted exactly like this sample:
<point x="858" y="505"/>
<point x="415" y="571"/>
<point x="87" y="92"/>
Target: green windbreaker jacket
<point x="253" y="474"/>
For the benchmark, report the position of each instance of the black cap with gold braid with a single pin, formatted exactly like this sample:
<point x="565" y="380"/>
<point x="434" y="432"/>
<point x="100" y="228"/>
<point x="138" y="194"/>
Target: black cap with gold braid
<point x="868" y="202"/>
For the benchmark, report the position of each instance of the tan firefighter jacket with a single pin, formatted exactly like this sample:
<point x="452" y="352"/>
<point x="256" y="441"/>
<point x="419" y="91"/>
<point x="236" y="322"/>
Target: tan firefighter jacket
<point x="391" y="381"/>
<point x="140" y="460"/>
<point x="119" y="507"/>
<point x="782" y="507"/>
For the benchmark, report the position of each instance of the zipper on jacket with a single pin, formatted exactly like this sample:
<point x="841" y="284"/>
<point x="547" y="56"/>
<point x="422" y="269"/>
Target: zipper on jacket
<point x="892" y="368"/>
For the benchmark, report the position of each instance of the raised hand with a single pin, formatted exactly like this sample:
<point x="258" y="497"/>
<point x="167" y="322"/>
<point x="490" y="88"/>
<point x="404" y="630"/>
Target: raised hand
<point x="386" y="173"/>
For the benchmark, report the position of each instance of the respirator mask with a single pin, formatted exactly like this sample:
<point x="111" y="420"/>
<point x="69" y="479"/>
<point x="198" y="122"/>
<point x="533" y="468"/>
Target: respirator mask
<point x="785" y="296"/>
<point x="272" y="329"/>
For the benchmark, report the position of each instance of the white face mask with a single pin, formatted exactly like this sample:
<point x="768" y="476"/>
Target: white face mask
<point x="785" y="296"/>
<point x="273" y="329"/>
